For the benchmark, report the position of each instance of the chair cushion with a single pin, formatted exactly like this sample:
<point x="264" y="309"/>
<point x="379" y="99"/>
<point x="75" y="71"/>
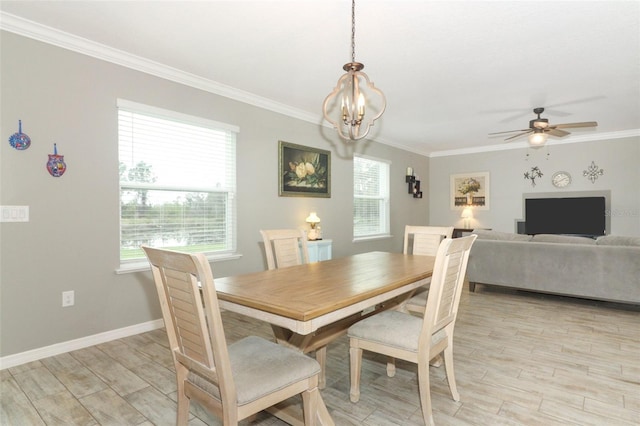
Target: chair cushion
<point x="392" y="328"/>
<point x="260" y="367"/>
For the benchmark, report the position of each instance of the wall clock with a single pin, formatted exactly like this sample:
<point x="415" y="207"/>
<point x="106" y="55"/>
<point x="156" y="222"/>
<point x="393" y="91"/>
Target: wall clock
<point x="561" y="179"/>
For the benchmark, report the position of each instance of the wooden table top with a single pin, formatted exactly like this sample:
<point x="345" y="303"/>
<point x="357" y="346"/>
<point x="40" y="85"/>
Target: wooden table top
<point x="305" y="292"/>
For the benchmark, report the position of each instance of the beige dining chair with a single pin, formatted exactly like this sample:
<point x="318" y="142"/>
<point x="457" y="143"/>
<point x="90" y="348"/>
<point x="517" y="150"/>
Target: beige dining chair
<point x="285" y="247"/>
<point x="288" y="247"/>
<point x="418" y="339"/>
<point x="235" y="381"/>
<point x="423" y="240"/>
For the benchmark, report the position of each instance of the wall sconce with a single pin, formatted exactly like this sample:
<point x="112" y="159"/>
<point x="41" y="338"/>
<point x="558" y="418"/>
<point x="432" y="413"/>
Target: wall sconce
<point x="314" y="233"/>
<point x="413" y="183"/>
<point x="467" y="214"/>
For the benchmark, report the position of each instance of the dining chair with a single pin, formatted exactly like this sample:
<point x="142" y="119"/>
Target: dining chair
<point x="285" y="247"/>
<point x="423" y="240"/>
<point x="418" y="339"/>
<point x="288" y="247"/>
<point x="235" y="381"/>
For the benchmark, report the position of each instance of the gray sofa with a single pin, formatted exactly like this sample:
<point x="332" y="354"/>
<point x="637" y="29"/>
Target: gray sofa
<point x="607" y="268"/>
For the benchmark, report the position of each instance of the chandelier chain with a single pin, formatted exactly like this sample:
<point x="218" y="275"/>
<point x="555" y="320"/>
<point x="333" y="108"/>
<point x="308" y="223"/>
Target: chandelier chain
<point x="353" y="30"/>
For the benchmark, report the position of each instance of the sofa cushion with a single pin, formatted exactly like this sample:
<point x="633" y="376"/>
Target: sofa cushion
<point x="563" y="239"/>
<point x="617" y="240"/>
<point x="484" y="234"/>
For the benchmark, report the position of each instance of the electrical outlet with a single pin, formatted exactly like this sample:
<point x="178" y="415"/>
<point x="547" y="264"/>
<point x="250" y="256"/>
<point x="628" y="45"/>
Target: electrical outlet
<point x="68" y="298"/>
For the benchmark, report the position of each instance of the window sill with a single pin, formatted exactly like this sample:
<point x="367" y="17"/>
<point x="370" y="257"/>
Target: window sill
<point x="371" y="238"/>
<point x="142" y="266"/>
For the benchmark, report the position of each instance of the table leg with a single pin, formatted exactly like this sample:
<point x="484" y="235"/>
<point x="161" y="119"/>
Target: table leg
<point x="290" y="412"/>
<point x="321" y="357"/>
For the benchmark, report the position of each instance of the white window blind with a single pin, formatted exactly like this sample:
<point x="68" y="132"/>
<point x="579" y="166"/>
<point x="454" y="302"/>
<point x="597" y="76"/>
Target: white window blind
<point x="370" y="197"/>
<point x="177" y="182"/>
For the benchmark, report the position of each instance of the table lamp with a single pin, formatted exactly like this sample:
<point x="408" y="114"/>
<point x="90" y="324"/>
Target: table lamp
<point x="313" y="220"/>
<point x="467" y="214"/>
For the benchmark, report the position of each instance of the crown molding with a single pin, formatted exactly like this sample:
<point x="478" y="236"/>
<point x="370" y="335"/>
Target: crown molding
<point x="46" y="34"/>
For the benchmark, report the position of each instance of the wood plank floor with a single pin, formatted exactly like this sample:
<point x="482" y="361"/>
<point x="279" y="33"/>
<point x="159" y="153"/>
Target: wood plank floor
<point x="520" y="359"/>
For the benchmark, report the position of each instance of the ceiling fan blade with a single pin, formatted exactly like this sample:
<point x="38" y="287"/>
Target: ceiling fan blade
<point x="550" y="107"/>
<point x="557" y="132"/>
<point x="519" y="134"/>
<point x="509" y="131"/>
<point x="573" y="125"/>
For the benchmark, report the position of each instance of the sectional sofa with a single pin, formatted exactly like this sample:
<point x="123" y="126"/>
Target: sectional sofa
<point x="606" y="268"/>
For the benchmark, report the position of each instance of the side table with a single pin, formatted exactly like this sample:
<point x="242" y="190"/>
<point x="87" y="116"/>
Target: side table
<point x="319" y="250"/>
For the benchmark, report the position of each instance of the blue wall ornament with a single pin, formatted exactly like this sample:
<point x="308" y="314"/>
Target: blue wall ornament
<point x="19" y="140"/>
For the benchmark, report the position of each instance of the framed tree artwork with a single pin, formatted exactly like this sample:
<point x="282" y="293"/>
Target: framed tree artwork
<point x="470" y="190"/>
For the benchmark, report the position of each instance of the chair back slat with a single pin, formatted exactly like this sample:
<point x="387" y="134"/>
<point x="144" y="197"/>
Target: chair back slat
<point x="285" y="247"/>
<point x="424" y="240"/>
<point x="449" y="288"/>
<point x="287" y="252"/>
<point x="446" y="285"/>
<point x="187" y="313"/>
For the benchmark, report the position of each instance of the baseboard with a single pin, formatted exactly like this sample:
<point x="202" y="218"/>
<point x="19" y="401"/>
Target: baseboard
<point x="73" y="345"/>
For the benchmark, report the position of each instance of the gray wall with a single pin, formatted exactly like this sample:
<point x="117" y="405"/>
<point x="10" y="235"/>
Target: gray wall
<point x="619" y="158"/>
<point x="72" y="239"/>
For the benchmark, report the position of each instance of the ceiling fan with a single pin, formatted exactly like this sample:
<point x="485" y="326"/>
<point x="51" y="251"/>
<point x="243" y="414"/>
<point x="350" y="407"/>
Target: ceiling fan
<point x="539" y="129"/>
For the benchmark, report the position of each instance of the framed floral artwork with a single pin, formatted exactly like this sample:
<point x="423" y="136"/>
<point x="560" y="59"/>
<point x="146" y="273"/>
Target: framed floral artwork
<point x="303" y="171"/>
<point x="470" y="190"/>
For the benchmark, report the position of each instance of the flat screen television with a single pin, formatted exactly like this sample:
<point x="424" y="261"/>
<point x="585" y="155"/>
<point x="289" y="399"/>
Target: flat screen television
<point x="570" y="216"/>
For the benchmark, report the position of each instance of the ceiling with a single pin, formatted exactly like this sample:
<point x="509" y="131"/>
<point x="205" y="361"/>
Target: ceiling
<point x="452" y="71"/>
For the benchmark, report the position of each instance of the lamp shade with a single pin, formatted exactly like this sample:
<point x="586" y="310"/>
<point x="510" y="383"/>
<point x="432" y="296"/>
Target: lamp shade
<point x="313" y="218"/>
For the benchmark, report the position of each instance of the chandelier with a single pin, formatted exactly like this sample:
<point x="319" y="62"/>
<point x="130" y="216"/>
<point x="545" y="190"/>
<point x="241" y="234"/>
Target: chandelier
<point x="355" y="103"/>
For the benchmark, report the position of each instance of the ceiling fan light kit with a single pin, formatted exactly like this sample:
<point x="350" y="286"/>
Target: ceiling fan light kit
<point x="540" y="129"/>
<point x="537" y="138"/>
<point x="355" y="103"/>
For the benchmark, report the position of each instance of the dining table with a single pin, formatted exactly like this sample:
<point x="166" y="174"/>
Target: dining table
<point x="312" y="304"/>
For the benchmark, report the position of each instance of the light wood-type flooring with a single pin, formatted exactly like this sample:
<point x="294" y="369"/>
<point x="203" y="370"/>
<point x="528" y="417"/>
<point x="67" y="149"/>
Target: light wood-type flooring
<point x="520" y="359"/>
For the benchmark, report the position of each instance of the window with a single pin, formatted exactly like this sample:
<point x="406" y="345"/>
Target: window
<point x="177" y="182"/>
<point x="370" y="198"/>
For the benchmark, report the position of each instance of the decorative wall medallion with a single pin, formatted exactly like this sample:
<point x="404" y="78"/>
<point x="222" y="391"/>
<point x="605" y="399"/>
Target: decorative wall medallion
<point x="533" y="174"/>
<point x="56" y="164"/>
<point x="19" y="140"/>
<point x="593" y="172"/>
<point x="561" y="179"/>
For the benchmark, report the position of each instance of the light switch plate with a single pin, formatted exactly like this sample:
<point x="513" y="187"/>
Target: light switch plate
<point x="14" y="213"/>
